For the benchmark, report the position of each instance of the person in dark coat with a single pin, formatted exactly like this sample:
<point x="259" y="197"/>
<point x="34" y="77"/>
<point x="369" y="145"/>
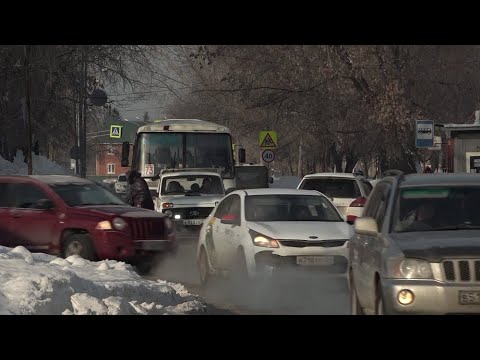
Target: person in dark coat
<point x="139" y="193"/>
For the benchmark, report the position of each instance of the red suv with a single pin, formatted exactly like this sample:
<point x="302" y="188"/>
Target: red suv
<point x="67" y="215"/>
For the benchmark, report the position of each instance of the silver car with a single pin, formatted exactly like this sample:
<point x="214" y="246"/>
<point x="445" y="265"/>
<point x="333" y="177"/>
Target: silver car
<point x="416" y="250"/>
<point x="121" y="184"/>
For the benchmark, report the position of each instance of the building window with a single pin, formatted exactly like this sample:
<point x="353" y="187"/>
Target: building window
<point x="111" y="169"/>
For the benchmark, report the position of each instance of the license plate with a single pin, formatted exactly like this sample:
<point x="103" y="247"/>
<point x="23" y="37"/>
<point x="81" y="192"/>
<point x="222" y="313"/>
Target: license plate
<point x="469" y="297"/>
<point x="315" y="260"/>
<point x="193" y="222"/>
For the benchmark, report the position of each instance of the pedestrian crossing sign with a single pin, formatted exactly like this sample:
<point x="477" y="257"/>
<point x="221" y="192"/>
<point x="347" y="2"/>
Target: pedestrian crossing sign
<point x="116" y="131"/>
<point x="267" y="139"/>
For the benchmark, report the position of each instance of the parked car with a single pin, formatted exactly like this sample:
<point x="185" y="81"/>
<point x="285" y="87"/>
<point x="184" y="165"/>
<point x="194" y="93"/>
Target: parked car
<point x="121" y="185"/>
<point x="416" y="249"/>
<point x="348" y="192"/>
<point x="68" y="215"/>
<point x="257" y="232"/>
<point x="188" y="197"/>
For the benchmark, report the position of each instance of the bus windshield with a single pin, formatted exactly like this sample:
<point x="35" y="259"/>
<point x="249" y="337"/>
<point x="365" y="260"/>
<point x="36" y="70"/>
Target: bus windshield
<point x="157" y="151"/>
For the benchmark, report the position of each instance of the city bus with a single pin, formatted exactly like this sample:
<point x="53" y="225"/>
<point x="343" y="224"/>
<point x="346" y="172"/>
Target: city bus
<point x="187" y="144"/>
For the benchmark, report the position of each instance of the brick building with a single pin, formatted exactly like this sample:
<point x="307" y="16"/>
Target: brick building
<point x="109" y="158"/>
<point x="108" y="151"/>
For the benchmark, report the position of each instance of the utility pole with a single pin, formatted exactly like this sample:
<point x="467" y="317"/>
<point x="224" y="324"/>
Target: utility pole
<point x="83" y="116"/>
<point x="27" y="106"/>
<point x="300" y="160"/>
<point x="78" y="128"/>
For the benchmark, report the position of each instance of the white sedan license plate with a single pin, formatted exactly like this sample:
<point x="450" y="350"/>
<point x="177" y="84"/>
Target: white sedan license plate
<point x="469" y="297"/>
<point x="193" y="222"/>
<point x="315" y="260"/>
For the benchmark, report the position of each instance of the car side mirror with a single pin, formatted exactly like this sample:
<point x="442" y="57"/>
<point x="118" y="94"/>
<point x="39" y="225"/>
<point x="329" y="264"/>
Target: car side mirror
<point x="366" y="226"/>
<point x="125" y="153"/>
<point x="45" y="204"/>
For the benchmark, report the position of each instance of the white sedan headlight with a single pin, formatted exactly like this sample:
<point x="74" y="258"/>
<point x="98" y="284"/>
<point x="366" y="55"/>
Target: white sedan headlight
<point x="410" y="269"/>
<point x="119" y="224"/>
<point x="262" y="240"/>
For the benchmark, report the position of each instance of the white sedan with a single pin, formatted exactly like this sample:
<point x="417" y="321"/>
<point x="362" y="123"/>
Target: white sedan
<point x="252" y="232"/>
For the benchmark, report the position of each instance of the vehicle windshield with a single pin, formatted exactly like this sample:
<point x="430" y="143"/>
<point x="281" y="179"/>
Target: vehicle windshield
<point x="289" y="208"/>
<point x="85" y="194"/>
<point x="122" y="178"/>
<point x="192" y="185"/>
<point x="251" y="177"/>
<point x="437" y="209"/>
<point x="157" y="151"/>
<point x="333" y="187"/>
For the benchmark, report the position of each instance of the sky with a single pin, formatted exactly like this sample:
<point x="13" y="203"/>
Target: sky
<point x="154" y="97"/>
<point x="137" y="108"/>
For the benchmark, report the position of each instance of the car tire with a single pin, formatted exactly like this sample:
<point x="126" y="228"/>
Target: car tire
<point x="203" y="267"/>
<point x="379" y="304"/>
<point x="81" y="245"/>
<point x="355" y="304"/>
<point x="240" y="271"/>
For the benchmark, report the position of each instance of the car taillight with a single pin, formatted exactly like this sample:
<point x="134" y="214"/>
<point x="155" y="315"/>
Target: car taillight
<point x="359" y="202"/>
<point x="351" y="218"/>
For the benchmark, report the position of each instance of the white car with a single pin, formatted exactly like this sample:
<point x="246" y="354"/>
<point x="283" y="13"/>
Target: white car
<point x="121" y="184"/>
<point x="188" y="197"/>
<point x="257" y="231"/>
<point x="348" y="192"/>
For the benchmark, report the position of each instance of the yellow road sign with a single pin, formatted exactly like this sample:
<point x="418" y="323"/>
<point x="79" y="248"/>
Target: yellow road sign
<point x="267" y="139"/>
<point x="116" y="131"/>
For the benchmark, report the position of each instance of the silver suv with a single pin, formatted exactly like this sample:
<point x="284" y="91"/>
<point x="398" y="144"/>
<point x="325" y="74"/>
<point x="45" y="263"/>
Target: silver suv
<point x="416" y="249"/>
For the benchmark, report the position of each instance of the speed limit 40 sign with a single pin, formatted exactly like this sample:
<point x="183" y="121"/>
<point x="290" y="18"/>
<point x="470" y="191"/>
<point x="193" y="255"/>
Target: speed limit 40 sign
<point x="268" y="156"/>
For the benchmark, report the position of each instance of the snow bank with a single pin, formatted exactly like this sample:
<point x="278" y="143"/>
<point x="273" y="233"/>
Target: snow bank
<point x="42" y="284"/>
<point x="41" y="166"/>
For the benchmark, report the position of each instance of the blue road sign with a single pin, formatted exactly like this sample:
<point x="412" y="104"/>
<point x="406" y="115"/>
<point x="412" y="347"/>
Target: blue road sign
<point x="425" y="134"/>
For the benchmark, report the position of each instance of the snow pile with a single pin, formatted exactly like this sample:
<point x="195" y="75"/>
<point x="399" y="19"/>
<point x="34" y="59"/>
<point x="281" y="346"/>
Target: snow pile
<point x="41" y="166"/>
<point x="285" y="182"/>
<point x="42" y="284"/>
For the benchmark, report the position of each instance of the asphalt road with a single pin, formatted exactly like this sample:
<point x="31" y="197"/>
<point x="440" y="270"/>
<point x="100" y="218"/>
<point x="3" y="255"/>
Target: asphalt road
<point x="297" y="293"/>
